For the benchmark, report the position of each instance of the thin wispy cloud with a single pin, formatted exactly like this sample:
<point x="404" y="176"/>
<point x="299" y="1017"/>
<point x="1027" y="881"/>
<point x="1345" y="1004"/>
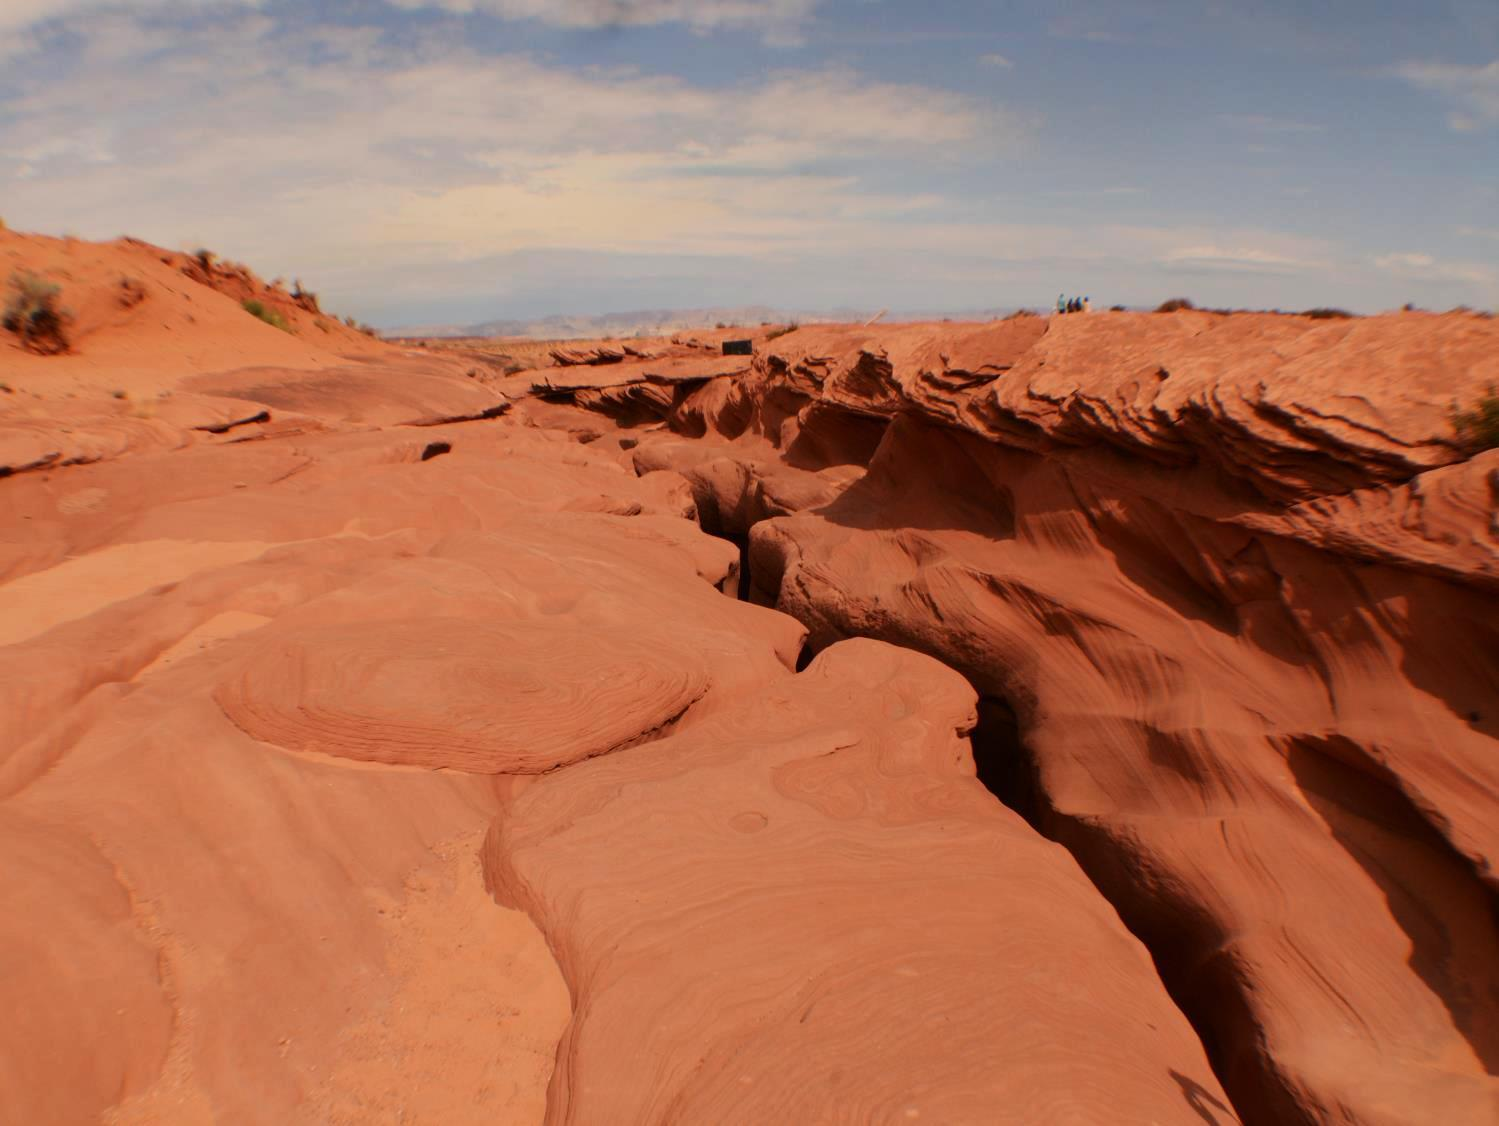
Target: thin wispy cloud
<point x="1426" y="268"/>
<point x="452" y="153"/>
<point x="1472" y="90"/>
<point x="996" y="60"/>
<point x="1238" y="259"/>
<point x="1262" y="123"/>
<point x="780" y="21"/>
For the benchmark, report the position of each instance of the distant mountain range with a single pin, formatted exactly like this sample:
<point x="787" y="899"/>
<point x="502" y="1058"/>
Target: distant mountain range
<point x="661" y="322"/>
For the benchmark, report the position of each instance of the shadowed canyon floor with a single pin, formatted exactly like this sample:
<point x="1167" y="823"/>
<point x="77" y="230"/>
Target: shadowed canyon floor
<point x="1106" y="732"/>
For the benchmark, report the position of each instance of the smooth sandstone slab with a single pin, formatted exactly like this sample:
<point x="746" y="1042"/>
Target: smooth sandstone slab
<point x="807" y="909"/>
<point x="458" y="694"/>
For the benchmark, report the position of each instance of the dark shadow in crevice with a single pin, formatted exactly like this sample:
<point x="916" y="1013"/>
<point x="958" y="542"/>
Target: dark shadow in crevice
<point x="1191" y="954"/>
<point x="742" y="543"/>
<point x="1202" y="1101"/>
<point x="1195" y="960"/>
<point x="1004" y="766"/>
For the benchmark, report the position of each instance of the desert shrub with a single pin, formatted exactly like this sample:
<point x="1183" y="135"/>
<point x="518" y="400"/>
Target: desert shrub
<point x="1018" y="314"/>
<point x="1117" y="309"/>
<point x="205" y="259"/>
<point x="304" y="297"/>
<point x="1174" y="304"/>
<point x="33" y="315"/>
<point x="720" y="324"/>
<point x="776" y="333"/>
<point x="1324" y="314"/>
<point x="269" y="316"/>
<point x="1478" y="427"/>
<point x="369" y="330"/>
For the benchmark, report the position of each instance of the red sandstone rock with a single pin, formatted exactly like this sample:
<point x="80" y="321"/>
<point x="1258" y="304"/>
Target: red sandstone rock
<point x="1237" y="582"/>
<point x="271" y="671"/>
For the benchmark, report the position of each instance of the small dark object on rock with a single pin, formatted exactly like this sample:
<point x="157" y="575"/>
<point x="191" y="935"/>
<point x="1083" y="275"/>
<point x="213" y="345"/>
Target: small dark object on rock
<point x="436" y="449"/>
<point x="738" y="347"/>
<point x="131" y="294"/>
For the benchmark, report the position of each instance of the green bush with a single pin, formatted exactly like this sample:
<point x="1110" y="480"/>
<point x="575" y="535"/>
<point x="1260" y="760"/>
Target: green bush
<point x="1478" y="427"/>
<point x="33" y="315"/>
<point x="269" y="316"/>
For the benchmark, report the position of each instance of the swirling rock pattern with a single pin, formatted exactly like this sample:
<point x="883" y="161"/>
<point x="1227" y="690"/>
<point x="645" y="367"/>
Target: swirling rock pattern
<point x="459" y="695"/>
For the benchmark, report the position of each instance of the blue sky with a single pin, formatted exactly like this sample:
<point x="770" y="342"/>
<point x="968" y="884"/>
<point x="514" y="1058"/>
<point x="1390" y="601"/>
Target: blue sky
<point x="457" y="160"/>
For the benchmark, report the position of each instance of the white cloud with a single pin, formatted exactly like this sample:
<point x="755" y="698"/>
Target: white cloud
<point x="838" y="107"/>
<point x="393" y="172"/>
<point x="282" y="147"/>
<point x="1474" y="90"/>
<point x="1425" y="268"/>
<point x="1239" y="259"/>
<point x="995" y="60"/>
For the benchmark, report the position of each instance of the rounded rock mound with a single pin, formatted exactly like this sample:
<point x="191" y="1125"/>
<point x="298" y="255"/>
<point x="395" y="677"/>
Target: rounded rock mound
<point x="448" y="693"/>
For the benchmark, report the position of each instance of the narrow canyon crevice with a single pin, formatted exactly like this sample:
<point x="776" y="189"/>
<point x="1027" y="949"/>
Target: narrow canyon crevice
<point x="890" y="561"/>
<point x="1205" y="989"/>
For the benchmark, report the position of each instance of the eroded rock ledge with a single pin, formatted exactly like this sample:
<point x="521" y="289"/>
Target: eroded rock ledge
<point x="1237" y="583"/>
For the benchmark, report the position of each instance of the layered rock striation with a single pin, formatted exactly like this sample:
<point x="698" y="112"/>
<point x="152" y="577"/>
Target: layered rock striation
<point x="1226" y="586"/>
